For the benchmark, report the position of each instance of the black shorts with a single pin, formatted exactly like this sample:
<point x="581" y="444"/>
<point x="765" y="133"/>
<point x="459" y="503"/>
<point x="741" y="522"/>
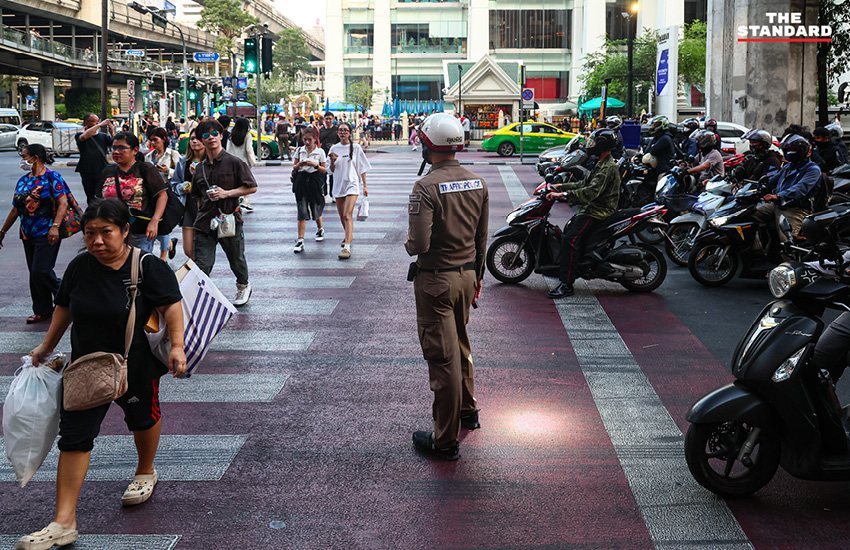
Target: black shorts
<point x="78" y="429"/>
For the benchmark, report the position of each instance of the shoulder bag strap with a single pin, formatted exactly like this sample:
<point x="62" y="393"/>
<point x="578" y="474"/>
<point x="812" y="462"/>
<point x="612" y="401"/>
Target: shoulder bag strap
<point x="134" y="287"/>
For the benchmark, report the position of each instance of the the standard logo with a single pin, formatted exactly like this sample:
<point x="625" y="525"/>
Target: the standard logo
<point x="455" y="186"/>
<point x="784" y="27"/>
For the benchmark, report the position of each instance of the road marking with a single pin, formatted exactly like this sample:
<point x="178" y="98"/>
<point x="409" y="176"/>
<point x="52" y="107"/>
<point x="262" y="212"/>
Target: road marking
<point x="678" y="513"/>
<point x="263" y="340"/>
<point x="277" y="248"/>
<point x="304" y="261"/>
<point x="25" y="342"/>
<point x="178" y="458"/>
<point x="289" y="307"/>
<point x="292" y="282"/>
<point x="111" y="542"/>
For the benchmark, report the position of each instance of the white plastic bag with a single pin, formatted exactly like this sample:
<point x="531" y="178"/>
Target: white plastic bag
<point x="31" y="417"/>
<point x="205" y="313"/>
<point x="363" y="211"/>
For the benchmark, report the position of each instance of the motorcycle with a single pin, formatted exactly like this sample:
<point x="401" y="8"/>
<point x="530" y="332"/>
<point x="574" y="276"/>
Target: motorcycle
<point x="728" y="245"/>
<point x="576" y="165"/>
<point x="530" y="243"/>
<point x="683" y="230"/>
<point x="671" y="192"/>
<point x="635" y="189"/>
<point x="781" y="410"/>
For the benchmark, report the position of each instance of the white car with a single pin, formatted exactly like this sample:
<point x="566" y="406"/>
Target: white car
<point x="41" y="131"/>
<point x="731" y="138"/>
<point x="8" y="136"/>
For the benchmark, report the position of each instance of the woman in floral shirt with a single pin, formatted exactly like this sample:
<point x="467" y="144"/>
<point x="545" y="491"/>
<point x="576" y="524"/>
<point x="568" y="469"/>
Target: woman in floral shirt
<point x="40" y="202"/>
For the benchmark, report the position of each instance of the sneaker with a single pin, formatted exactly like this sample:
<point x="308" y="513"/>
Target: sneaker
<point x="344" y="254"/>
<point x="424" y="443"/>
<point x="413" y="149"/>
<point x="243" y="294"/>
<point x="299" y="245"/>
<point x="245" y="205"/>
<point x="470" y="421"/>
<point x="320" y="235"/>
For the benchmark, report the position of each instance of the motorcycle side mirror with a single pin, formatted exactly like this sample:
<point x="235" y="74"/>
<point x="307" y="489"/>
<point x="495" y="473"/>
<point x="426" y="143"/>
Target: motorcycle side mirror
<point x="785" y="226"/>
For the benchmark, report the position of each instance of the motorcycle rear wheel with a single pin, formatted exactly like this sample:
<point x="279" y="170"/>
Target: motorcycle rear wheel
<point x="509" y="261"/>
<point x="704" y="267"/>
<point x="656" y="275"/>
<point x="679" y="243"/>
<point x="651" y="235"/>
<point x="711" y="451"/>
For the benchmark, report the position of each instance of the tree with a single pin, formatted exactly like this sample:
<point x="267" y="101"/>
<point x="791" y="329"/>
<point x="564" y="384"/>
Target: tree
<point x="80" y="101"/>
<point x="291" y="55"/>
<point x="225" y="18"/>
<point x="612" y="62"/>
<point x="359" y="93"/>
<point x="833" y="57"/>
<point x="692" y="54"/>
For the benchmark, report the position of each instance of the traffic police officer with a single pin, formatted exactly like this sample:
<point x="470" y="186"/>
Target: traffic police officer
<point x="448" y="212"/>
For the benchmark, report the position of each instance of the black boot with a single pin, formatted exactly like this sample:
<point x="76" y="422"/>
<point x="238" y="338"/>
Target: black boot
<point x="563" y="290"/>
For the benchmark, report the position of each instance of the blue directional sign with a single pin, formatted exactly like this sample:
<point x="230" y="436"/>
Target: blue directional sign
<point x="206" y="56"/>
<point x="136" y="53"/>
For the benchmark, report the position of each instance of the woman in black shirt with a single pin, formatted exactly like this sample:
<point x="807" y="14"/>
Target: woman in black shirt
<point x="95" y="296"/>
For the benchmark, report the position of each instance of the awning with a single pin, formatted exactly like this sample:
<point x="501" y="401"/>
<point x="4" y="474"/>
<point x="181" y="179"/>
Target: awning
<point x="596" y="103"/>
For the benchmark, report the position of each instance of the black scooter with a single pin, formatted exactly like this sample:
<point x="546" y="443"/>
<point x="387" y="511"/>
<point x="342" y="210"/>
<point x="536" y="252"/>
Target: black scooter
<point x="529" y="243"/>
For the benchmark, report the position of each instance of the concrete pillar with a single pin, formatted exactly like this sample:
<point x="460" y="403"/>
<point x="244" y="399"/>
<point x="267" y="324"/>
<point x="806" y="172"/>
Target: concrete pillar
<point x="381" y="55"/>
<point x="766" y="85"/>
<point x="588" y="37"/>
<point x="334" y="38"/>
<point x="46" y="98"/>
<point x="477" y="41"/>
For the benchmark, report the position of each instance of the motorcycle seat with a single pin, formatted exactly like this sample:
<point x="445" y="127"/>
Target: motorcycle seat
<point x="621" y="215"/>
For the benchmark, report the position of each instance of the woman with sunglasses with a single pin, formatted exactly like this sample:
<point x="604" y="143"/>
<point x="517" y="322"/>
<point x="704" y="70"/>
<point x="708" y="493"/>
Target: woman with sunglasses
<point x="40" y="201"/>
<point x="349" y="166"/>
<point x="181" y="183"/>
<point x="139" y="185"/>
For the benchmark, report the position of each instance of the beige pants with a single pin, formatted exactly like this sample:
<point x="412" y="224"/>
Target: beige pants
<point x="442" y="311"/>
<point x="770" y="211"/>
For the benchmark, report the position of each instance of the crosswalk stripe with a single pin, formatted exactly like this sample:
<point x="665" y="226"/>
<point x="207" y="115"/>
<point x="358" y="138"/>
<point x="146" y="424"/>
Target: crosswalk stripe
<point x="291" y="282"/>
<point x="24" y="342"/>
<point x="111" y="542"/>
<point x="289" y="307"/>
<point x="179" y="458"/>
<point x="266" y="340"/>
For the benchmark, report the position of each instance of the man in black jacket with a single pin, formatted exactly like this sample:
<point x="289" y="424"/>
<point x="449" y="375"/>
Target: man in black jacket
<point x="828" y="149"/>
<point x="328" y="138"/>
<point x="662" y="147"/>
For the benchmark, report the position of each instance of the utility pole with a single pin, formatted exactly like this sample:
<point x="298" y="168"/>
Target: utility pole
<point x="460" y="88"/>
<point x="104" y="68"/>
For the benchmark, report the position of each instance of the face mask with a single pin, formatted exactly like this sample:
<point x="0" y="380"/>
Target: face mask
<point x="794" y="156"/>
<point x="26" y="166"/>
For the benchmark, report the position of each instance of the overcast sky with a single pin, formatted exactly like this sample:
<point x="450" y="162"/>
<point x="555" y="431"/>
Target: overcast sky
<point x="303" y="13"/>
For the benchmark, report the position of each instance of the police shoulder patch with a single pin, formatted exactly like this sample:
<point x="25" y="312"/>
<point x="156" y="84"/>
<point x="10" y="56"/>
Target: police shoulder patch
<point x="413" y="208"/>
<point x="415" y="197"/>
<point x="456" y="186"/>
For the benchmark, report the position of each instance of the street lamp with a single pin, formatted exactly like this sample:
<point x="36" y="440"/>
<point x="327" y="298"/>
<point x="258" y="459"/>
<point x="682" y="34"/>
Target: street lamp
<point x="630" y="43"/>
<point x="161" y="20"/>
<point x="162" y="72"/>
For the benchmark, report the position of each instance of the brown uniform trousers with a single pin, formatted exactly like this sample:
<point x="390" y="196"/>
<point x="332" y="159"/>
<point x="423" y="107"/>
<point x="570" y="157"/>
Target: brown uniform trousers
<point x="448" y="212"/>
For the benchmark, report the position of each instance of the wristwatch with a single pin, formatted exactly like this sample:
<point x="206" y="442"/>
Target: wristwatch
<point x="56" y="224"/>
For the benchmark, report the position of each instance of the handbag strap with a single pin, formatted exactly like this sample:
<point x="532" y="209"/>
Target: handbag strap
<point x="134" y="287"/>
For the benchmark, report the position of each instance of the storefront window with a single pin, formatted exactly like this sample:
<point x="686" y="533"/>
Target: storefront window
<point x="418" y="87"/>
<point x="539" y="29"/>
<point x="435" y="37"/>
<point x="359" y="38"/>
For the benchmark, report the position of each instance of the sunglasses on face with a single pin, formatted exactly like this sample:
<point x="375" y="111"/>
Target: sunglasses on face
<point x="206" y="135"/>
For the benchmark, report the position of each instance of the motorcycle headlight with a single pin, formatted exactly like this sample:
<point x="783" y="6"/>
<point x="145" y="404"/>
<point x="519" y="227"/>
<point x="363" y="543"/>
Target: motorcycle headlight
<point x="717" y="222"/>
<point x="511" y="217"/>
<point x="786" y="369"/>
<point x="781" y="280"/>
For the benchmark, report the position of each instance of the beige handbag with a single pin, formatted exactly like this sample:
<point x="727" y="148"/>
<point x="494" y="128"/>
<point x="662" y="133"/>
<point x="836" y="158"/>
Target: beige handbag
<point x="101" y="377"/>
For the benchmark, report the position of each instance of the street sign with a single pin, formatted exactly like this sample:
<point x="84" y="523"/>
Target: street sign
<point x="131" y="96"/>
<point x="206" y="56"/>
<point x="527" y="98"/>
<point x="136" y="53"/>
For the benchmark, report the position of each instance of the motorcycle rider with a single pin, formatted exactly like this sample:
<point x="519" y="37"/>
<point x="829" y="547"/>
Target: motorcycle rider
<point x="614" y="123"/>
<point x="708" y="163"/>
<point x="836" y="132"/>
<point x="796" y="187"/>
<point x="662" y="146"/>
<point x="829" y="150"/>
<point x="760" y="160"/>
<point x="596" y="198"/>
<point x="688" y="144"/>
<point x="711" y="126"/>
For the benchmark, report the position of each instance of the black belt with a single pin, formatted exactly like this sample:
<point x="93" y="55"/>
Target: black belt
<point x="465" y="267"/>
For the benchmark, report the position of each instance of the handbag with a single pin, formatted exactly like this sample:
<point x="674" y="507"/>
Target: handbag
<point x="363" y="211"/>
<point x="72" y="222"/>
<point x="172" y="215"/>
<point x="226" y="225"/>
<point x="101" y="377"/>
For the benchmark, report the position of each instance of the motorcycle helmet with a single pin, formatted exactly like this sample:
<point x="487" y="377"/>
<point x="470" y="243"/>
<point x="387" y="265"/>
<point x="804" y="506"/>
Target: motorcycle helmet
<point x="705" y="139"/>
<point x="795" y="148"/>
<point x="835" y="130"/>
<point x="814" y="232"/>
<point x="649" y="160"/>
<point x="600" y="141"/>
<point x="659" y="124"/>
<point x="690" y="125"/>
<point x="711" y="124"/>
<point x="760" y="140"/>
<point x="441" y="132"/>
<point x="614" y="122"/>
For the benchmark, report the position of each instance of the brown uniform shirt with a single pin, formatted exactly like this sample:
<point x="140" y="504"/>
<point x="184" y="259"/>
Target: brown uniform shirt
<point x="448" y="211"/>
<point x="225" y="171"/>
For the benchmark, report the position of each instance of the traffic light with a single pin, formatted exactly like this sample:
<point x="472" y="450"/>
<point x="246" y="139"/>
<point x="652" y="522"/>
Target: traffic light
<point x="268" y="46"/>
<point x="193" y="94"/>
<point x="251" y="58"/>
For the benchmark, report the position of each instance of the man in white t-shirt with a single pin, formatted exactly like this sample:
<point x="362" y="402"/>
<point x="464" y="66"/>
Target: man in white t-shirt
<point x="464" y="120"/>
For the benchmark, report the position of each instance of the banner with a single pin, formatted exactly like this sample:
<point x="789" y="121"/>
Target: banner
<point x="227" y="88"/>
<point x="667" y="73"/>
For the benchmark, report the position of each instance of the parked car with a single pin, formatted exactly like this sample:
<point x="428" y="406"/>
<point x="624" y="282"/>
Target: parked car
<point x="10" y="117"/>
<point x="41" y="131"/>
<point x="536" y="137"/>
<point x="268" y="146"/>
<point x="8" y="136"/>
<point x="555" y="154"/>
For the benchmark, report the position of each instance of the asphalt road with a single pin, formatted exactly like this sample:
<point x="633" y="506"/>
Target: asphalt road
<point x="296" y="432"/>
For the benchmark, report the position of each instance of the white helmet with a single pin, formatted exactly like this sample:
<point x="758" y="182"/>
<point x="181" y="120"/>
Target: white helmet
<point x="442" y="132"/>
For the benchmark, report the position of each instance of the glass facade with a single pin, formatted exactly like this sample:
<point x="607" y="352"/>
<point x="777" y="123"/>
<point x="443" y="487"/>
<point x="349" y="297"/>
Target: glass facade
<point x="696" y="10"/>
<point x="616" y="26"/>
<point x="418" y="87"/>
<point x="537" y="29"/>
<point x="359" y="38"/>
<point x="434" y="37"/>
<point x="548" y="85"/>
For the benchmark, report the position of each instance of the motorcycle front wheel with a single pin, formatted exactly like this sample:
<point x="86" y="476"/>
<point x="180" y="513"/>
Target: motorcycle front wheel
<point x="680" y="242"/>
<point x="651" y="235"/>
<point x="712" y="450"/>
<point x="655" y="275"/>
<point x="706" y="266"/>
<point x="509" y="261"/>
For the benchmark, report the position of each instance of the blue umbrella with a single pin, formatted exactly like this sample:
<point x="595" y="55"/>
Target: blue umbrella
<point x="327" y="104"/>
<point x="386" y="112"/>
<point x="430" y="105"/>
<point x="396" y="111"/>
<point x="441" y="106"/>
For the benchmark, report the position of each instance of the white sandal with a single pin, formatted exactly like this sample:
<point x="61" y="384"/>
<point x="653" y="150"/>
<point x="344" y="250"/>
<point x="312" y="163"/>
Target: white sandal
<point x="54" y="534"/>
<point x="139" y="490"/>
